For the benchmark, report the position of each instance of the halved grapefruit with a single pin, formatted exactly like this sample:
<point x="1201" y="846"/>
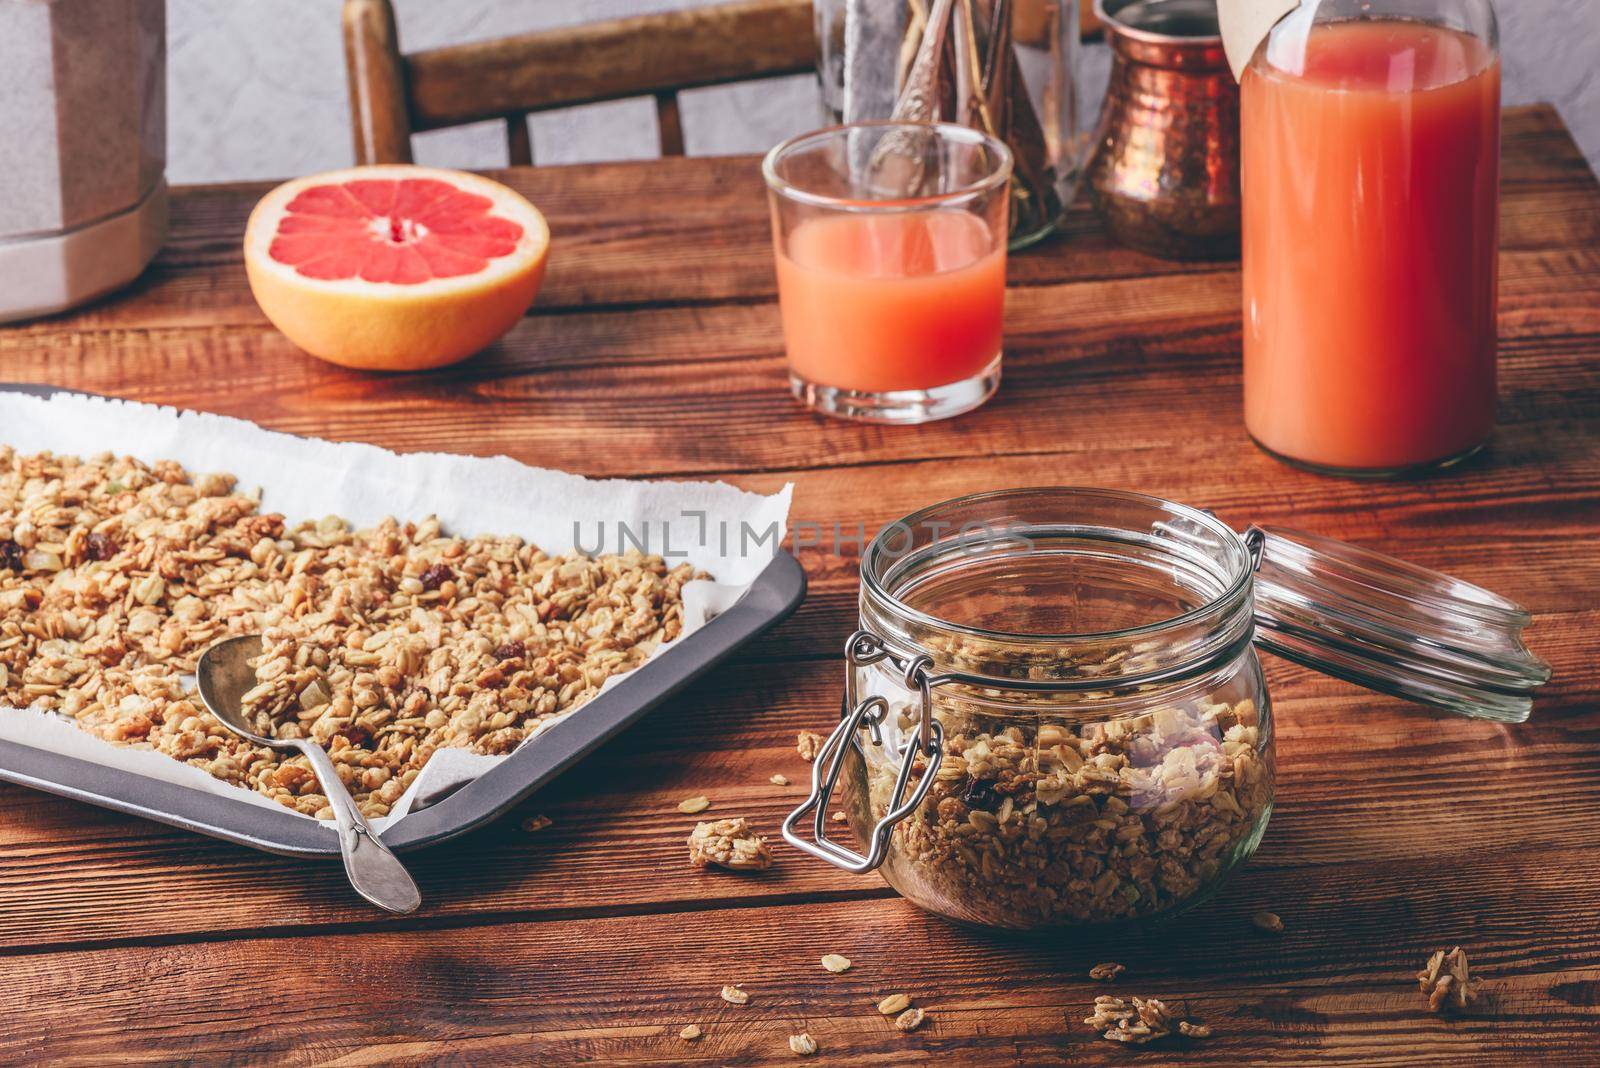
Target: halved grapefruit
<point x="395" y="268"/>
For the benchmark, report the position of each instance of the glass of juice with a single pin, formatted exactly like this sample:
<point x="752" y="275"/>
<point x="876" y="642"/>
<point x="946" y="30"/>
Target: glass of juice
<point x="1370" y="168"/>
<point x="891" y="255"/>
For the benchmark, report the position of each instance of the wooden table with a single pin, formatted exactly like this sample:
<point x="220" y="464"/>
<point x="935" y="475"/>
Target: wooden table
<point x="655" y="351"/>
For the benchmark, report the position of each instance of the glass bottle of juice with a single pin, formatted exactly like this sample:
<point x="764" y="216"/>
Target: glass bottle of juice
<point x="1370" y="167"/>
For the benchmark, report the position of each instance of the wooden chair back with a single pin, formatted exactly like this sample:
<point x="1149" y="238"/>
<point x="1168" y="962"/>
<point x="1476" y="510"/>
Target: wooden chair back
<point x="393" y="95"/>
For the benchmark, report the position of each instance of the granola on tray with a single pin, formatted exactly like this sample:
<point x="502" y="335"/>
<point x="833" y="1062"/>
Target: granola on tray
<point x="383" y="645"/>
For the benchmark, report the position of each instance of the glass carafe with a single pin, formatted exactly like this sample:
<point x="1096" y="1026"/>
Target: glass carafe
<point x="1006" y="67"/>
<point x="1370" y="165"/>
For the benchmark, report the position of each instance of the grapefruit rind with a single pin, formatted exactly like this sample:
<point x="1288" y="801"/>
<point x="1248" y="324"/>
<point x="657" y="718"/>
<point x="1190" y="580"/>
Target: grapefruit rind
<point x="392" y="325"/>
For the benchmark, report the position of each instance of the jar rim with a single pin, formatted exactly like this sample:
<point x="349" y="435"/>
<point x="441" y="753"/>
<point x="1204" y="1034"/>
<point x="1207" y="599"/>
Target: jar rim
<point x="1238" y="578"/>
<point x="1109" y="12"/>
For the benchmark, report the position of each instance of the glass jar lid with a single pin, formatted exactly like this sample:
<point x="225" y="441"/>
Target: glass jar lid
<point x="1075" y="590"/>
<point x="1391" y="626"/>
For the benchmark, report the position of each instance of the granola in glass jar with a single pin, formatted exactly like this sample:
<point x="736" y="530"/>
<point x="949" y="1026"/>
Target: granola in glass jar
<point x="1040" y="824"/>
<point x="1054" y="711"/>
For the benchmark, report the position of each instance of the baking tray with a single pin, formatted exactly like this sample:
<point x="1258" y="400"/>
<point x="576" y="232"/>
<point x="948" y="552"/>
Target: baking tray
<point x="776" y="592"/>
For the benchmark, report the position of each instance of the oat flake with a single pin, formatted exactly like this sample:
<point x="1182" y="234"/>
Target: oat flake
<point x="910" y="1020"/>
<point x="1268" y="921"/>
<point x="894" y="1004"/>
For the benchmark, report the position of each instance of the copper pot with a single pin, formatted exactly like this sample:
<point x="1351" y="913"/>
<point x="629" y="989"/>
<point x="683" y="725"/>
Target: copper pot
<point x="1165" y="170"/>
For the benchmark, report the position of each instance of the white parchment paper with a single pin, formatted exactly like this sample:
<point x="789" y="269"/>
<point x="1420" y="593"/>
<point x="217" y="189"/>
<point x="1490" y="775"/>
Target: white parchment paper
<point x="726" y="532"/>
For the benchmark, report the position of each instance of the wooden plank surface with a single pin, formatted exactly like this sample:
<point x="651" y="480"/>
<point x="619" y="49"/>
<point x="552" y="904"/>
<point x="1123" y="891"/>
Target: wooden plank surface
<point x="654" y="351"/>
<point x="695" y="231"/>
<point x="1337" y="987"/>
<point x="617" y="841"/>
<point x="676" y="391"/>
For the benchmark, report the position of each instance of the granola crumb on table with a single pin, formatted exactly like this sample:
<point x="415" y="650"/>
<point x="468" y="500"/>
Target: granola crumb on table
<point x="809" y="745"/>
<point x="729" y="843"/>
<point x="910" y="1020"/>
<point x="382" y="645"/>
<point x="1447" y="981"/>
<point x="1136" y="1021"/>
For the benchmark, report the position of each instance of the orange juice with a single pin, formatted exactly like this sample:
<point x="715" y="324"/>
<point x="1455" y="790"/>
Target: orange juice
<point x="1371" y="171"/>
<point x="891" y="301"/>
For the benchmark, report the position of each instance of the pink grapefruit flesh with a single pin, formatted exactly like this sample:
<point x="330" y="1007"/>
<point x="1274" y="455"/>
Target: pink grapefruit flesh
<point x="394" y="267"/>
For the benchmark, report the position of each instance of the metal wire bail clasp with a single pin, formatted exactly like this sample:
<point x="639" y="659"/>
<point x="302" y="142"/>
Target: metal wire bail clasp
<point x="865" y="648"/>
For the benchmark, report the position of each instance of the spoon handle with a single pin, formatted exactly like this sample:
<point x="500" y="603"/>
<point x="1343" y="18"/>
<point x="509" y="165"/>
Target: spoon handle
<point x="374" y="871"/>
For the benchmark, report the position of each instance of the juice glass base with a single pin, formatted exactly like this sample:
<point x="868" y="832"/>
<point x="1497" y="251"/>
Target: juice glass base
<point x="1421" y="470"/>
<point x="900" y="406"/>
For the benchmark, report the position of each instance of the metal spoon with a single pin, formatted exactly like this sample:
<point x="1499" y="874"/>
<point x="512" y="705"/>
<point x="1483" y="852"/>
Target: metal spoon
<point x="896" y="167"/>
<point x="225" y="676"/>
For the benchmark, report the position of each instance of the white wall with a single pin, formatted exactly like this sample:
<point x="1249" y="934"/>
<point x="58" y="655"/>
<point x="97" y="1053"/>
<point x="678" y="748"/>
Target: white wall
<point x="257" y="86"/>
